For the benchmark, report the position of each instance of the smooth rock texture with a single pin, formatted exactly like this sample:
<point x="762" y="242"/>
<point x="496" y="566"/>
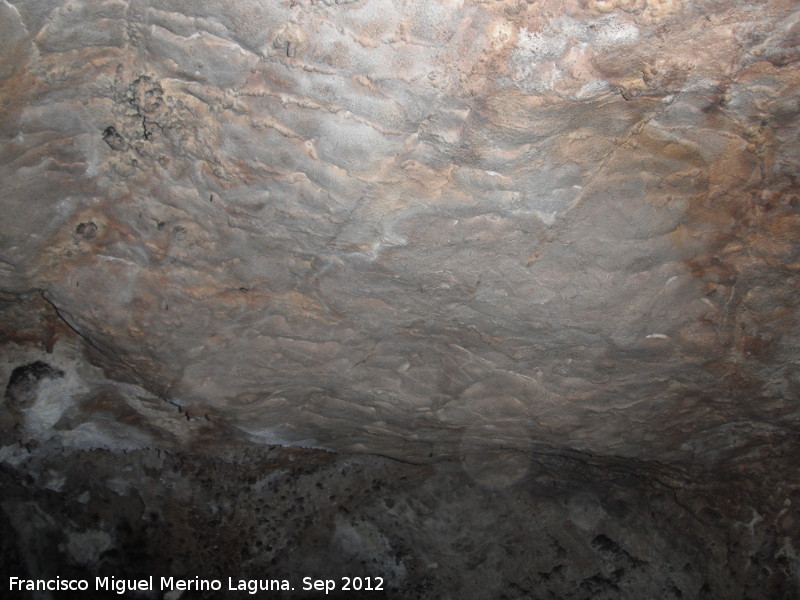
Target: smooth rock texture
<point x="380" y="226"/>
<point x="490" y="234"/>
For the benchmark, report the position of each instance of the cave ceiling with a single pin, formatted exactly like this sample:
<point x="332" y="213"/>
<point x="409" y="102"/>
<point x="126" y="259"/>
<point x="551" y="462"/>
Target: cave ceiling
<point x="407" y="228"/>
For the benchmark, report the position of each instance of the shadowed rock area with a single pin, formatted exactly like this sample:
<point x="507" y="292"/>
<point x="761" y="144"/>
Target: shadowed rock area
<point x="488" y="299"/>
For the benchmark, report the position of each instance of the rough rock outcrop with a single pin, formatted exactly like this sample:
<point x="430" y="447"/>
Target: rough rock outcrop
<point x="577" y="528"/>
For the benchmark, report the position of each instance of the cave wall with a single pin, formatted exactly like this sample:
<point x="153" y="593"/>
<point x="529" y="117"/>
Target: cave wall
<point x="375" y="225"/>
<point x="610" y="529"/>
<point x="488" y="240"/>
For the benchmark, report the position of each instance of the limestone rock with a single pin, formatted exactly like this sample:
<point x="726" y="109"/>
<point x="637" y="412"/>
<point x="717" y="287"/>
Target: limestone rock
<point x="341" y="239"/>
<point x="432" y="231"/>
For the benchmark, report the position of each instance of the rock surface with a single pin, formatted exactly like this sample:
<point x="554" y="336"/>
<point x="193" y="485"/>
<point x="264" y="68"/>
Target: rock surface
<point x="378" y="226"/>
<point x="261" y="513"/>
<point x="463" y="231"/>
